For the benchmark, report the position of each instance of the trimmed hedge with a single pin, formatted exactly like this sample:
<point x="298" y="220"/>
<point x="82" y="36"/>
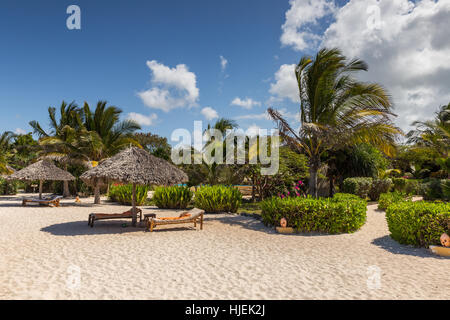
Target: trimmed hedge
<point x="418" y="223"/>
<point x="123" y="194"/>
<point x="378" y="187"/>
<point x="388" y="198"/>
<point x="172" y="197"/>
<point x="343" y="213"/>
<point x="359" y="186"/>
<point x="218" y="199"/>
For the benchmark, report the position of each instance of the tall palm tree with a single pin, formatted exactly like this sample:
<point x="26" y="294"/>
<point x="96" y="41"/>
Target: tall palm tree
<point x="106" y="134"/>
<point x="5" y="144"/>
<point x="61" y="142"/>
<point x="336" y="110"/>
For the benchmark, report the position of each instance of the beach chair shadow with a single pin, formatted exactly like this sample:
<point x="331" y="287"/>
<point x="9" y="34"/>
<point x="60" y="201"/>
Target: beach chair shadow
<point x="80" y="228"/>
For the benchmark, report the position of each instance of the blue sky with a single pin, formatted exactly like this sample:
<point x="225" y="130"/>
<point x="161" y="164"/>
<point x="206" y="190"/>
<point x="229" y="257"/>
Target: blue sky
<point x="148" y="56"/>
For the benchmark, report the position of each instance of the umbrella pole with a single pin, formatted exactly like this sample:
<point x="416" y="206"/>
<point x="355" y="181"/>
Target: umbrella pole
<point x="40" y="189"/>
<point x="134" y="206"/>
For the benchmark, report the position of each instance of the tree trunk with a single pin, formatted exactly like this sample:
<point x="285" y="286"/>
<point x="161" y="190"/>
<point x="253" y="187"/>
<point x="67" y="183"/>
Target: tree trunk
<point x="66" y="192"/>
<point x="96" y="192"/>
<point x="134" y="220"/>
<point x="40" y="189"/>
<point x="312" y="183"/>
<point x="253" y="188"/>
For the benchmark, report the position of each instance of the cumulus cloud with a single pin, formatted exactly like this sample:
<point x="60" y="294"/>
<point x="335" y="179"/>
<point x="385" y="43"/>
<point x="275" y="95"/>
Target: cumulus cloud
<point x="246" y="103"/>
<point x="20" y="131"/>
<point x="405" y="43"/>
<point x="285" y="85"/>
<point x="143" y="120"/>
<point x="171" y="87"/>
<point x="209" y="113"/>
<point x="254" y="116"/>
<point x="223" y="63"/>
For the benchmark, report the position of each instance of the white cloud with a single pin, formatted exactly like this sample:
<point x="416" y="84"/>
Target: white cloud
<point x="246" y="103"/>
<point x="20" y="131"/>
<point x="301" y="18"/>
<point x="223" y="63"/>
<point x="406" y="45"/>
<point x="285" y="85"/>
<point x="257" y="116"/>
<point x="143" y="120"/>
<point x="171" y="87"/>
<point x="209" y="113"/>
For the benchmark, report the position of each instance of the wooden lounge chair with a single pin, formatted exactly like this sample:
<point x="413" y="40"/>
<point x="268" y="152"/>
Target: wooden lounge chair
<point x="107" y="216"/>
<point x="192" y="216"/>
<point x="52" y="201"/>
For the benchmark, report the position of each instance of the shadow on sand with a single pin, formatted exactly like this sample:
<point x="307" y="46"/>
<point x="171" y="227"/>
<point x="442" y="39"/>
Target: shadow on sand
<point x="389" y="244"/>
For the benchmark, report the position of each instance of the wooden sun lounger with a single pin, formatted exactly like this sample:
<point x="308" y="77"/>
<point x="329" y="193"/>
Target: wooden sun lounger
<point x="54" y="201"/>
<point x="107" y="216"/>
<point x="193" y="216"/>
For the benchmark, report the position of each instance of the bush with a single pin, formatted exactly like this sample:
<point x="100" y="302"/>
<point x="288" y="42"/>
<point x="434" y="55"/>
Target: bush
<point x="340" y="214"/>
<point x="218" y="199"/>
<point x="399" y="184"/>
<point x="378" y="187"/>
<point x="358" y="186"/>
<point x="172" y="197"/>
<point x="8" y="187"/>
<point x="412" y="187"/>
<point x="435" y="189"/>
<point x="386" y="199"/>
<point x="418" y="223"/>
<point x="123" y="194"/>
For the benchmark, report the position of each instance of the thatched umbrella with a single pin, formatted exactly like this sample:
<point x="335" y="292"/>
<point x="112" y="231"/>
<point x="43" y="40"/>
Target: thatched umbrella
<point x="135" y="166"/>
<point x="41" y="170"/>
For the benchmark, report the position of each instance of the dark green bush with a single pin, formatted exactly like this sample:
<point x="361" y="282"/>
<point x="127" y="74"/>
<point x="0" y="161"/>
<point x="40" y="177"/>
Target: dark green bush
<point x="378" y="187"/>
<point x="218" y="199"/>
<point x="359" y="186"/>
<point x="412" y="186"/>
<point x="388" y="198"/>
<point x="7" y="187"/>
<point x="172" y="197"/>
<point x="340" y="214"/>
<point x="435" y="189"/>
<point x="399" y="184"/>
<point x="123" y="194"/>
<point x="418" y="223"/>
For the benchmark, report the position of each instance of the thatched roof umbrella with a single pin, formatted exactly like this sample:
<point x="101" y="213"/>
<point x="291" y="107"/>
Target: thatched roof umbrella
<point x="41" y="170"/>
<point x="135" y="166"/>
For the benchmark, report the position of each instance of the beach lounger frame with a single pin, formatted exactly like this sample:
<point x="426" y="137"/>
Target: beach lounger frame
<point x="196" y="216"/>
<point x="54" y="201"/>
<point x="109" y="216"/>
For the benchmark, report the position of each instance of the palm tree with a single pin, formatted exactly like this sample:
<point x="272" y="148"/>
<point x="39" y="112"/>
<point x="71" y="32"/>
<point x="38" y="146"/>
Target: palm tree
<point x="105" y="134"/>
<point x="5" y="144"/>
<point x="221" y="125"/>
<point x="61" y="142"/>
<point x="336" y="110"/>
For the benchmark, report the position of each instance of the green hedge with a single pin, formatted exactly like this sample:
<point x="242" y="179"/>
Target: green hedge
<point x="388" y="198"/>
<point x="359" y="186"/>
<point x="218" y="199"/>
<point x="418" y="223"/>
<point x="435" y="189"/>
<point x="408" y="186"/>
<point x="340" y="214"/>
<point x="8" y="187"/>
<point x="378" y="187"/>
<point x="123" y="194"/>
<point x="172" y="197"/>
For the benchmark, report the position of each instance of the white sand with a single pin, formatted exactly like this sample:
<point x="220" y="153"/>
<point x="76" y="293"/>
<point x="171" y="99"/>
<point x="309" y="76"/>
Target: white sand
<point x="234" y="257"/>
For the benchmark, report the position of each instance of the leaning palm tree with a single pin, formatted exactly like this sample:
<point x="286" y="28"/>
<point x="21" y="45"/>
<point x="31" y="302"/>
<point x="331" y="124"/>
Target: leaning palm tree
<point x="106" y="134"/>
<point x="61" y="141"/>
<point x="336" y="110"/>
<point x="5" y="144"/>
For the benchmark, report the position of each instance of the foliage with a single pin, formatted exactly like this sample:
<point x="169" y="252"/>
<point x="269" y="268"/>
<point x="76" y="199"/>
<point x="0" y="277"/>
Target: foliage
<point x="359" y="186"/>
<point x="388" y="198"/>
<point x="336" y="110"/>
<point x="153" y="143"/>
<point x="378" y="187"/>
<point x="7" y="187"/>
<point x="418" y="223"/>
<point x="340" y="214"/>
<point x="218" y="198"/>
<point x="172" y="197"/>
<point x="123" y="194"/>
<point x="435" y="189"/>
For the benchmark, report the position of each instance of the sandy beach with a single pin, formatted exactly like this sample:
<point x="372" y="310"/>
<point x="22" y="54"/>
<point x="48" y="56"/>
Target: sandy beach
<point x="44" y="249"/>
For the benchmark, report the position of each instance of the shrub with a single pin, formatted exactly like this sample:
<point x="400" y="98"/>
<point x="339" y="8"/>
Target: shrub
<point x="378" y="187"/>
<point x="218" y="199"/>
<point x="340" y="214"/>
<point x="399" y="184"/>
<point x="172" y="197"/>
<point x="7" y="187"/>
<point x="435" y="189"/>
<point x="123" y="194"/>
<point x="418" y="223"/>
<point x="386" y="199"/>
<point x="412" y="186"/>
<point x="359" y="186"/>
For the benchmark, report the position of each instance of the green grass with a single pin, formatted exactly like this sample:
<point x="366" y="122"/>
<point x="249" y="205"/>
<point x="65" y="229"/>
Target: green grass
<point x="250" y="207"/>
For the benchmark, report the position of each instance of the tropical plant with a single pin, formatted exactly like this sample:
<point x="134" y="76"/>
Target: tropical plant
<point x="176" y="197"/>
<point x="378" y="187"/>
<point x="388" y="198"/>
<point x="218" y="198"/>
<point x="336" y="110"/>
<point x="123" y="194"/>
<point x="5" y="145"/>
